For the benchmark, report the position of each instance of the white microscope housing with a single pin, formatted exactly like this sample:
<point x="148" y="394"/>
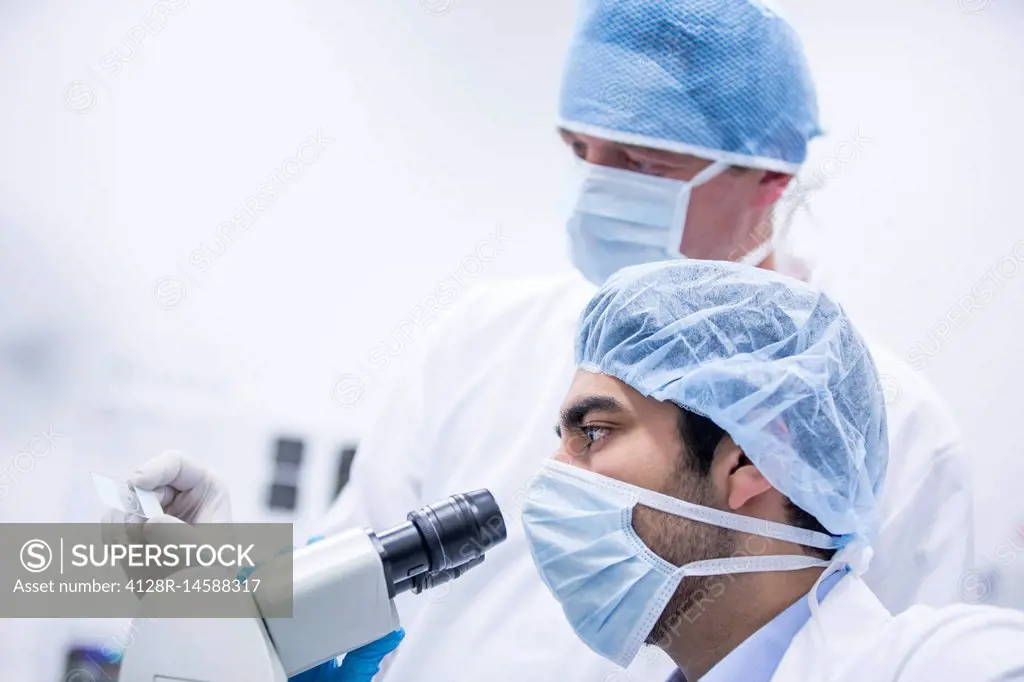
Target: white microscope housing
<point x="342" y="590"/>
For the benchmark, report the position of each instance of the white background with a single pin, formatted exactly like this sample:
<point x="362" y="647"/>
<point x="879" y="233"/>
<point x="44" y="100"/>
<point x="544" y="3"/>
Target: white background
<point x="441" y="116"/>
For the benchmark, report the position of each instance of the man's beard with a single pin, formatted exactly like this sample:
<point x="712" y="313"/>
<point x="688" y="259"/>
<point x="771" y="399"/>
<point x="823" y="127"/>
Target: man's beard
<point x="681" y="541"/>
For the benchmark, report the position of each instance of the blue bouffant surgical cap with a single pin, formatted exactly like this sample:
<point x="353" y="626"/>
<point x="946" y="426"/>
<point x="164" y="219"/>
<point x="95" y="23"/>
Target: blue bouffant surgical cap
<point x="724" y="80"/>
<point x="769" y="359"/>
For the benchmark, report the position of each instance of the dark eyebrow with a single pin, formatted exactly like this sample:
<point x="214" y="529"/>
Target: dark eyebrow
<point x="572" y="417"/>
<point x="661" y="154"/>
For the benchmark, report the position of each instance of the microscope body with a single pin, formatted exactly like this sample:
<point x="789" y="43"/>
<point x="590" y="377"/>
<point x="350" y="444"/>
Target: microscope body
<point x="340" y="601"/>
<point x="341" y="590"/>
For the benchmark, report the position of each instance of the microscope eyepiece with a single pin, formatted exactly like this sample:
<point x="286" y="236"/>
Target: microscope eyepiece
<point x="440" y="541"/>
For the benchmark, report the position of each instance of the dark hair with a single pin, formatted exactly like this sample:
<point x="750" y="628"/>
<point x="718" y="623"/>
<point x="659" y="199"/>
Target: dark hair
<point x="701" y="436"/>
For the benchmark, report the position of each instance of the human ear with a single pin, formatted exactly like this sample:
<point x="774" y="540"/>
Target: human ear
<point x="740" y="480"/>
<point x="771" y="187"/>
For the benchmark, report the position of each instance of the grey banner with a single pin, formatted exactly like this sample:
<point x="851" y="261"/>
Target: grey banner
<point x="163" y="570"/>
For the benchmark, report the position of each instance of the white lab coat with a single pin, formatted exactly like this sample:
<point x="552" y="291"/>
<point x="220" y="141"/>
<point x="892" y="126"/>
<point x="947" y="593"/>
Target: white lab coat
<point x="853" y="638"/>
<point x="474" y="406"/>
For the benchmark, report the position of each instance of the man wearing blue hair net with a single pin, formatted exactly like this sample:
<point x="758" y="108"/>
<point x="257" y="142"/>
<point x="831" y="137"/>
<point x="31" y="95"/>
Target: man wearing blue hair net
<point x="690" y="118"/>
<point x="715" y="492"/>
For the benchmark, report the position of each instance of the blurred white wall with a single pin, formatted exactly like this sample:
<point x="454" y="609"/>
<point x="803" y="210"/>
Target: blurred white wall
<point x="427" y="127"/>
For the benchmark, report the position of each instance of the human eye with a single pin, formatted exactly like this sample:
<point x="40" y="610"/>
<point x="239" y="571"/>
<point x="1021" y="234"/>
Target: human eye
<point x="639" y="165"/>
<point x="579" y="440"/>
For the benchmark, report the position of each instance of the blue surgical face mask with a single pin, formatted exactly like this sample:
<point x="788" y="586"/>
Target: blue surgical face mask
<point x="623" y="218"/>
<point x="611" y="586"/>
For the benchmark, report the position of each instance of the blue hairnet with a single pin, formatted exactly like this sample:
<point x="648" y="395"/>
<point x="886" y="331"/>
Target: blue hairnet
<point x="772" y="361"/>
<point x="725" y="80"/>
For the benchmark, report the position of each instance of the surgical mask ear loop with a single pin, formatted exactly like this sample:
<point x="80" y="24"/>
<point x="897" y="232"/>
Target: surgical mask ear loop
<point x="758" y="254"/>
<point x="675" y="237"/>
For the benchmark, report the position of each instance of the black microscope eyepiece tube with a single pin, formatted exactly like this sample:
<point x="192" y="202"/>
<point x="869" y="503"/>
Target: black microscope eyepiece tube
<point x="402" y="552"/>
<point x="440" y="541"/>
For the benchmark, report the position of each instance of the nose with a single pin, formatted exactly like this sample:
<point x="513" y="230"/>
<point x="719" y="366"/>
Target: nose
<point x="572" y="451"/>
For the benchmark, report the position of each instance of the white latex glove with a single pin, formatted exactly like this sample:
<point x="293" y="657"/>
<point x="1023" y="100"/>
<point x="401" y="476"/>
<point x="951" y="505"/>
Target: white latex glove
<point x="119" y="528"/>
<point x="188" y="494"/>
<point x="187" y="490"/>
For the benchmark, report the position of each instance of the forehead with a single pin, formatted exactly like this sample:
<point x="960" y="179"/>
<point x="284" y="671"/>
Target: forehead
<point x="591" y="384"/>
<point x="586" y="384"/>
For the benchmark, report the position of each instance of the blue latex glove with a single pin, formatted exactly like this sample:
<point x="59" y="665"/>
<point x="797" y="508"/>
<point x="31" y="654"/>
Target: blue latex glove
<point x="359" y="665"/>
